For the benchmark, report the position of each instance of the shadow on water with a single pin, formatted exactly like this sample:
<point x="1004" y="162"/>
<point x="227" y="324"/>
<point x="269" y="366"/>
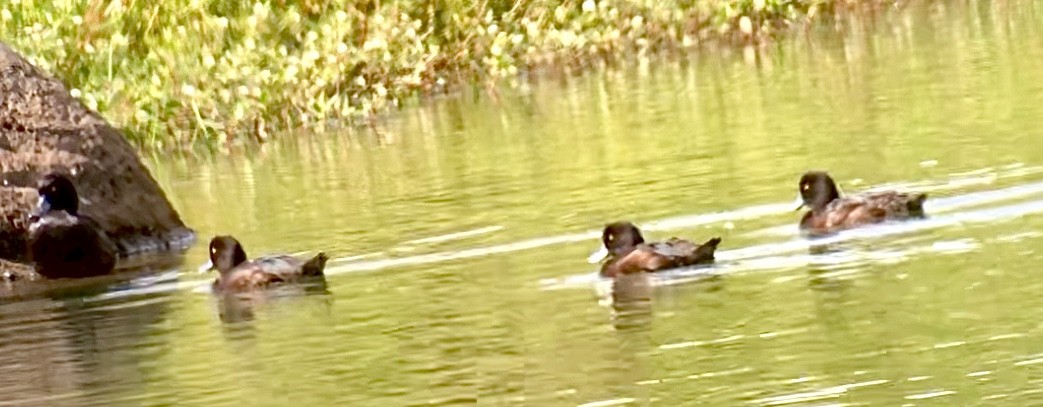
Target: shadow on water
<point x="95" y="339"/>
<point x="55" y="345"/>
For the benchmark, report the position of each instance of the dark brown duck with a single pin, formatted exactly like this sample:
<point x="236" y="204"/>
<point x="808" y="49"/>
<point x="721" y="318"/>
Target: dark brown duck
<point x="237" y="273"/>
<point x="831" y="212"/>
<point x="627" y="251"/>
<point x="63" y="243"/>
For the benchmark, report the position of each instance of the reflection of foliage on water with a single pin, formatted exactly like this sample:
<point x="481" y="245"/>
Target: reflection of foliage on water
<point x="677" y="139"/>
<point x="59" y="346"/>
<point x="179" y="71"/>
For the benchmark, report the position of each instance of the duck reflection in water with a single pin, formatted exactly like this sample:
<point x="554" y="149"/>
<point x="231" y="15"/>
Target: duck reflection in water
<point x="631" y="298"/>
<point x="236" y="307"/>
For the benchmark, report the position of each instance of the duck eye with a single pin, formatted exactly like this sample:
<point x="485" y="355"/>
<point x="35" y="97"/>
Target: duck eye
<point x="805" y="187"/>
<point x="611" y="238"/>
<point x="213" y="250"/>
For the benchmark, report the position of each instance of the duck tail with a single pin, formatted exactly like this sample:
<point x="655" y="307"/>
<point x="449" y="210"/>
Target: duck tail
<point x="316" y="265"/>
<point x="712" y="242"/>
<point x="706" y="250"/>
<point x="915" y="204"/>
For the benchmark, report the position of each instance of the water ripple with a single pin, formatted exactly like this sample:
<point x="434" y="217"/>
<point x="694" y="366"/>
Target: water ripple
<point x="930" y="395"/>
<point x="813" y="395"/>
<point x="769" y="256"/>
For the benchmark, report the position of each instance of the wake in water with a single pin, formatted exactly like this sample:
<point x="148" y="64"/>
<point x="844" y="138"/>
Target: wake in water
<point x="776" y="256"/>
<point x="800" y="252"/>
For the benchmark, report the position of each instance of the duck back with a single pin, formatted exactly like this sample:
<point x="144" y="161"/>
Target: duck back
<point x="264" y="271"/>
<point x="686" y="253"/>
<point x="898" y="205"/>
<point x="288" y="267"/>
<point x="652" y="257"/>
<point x="865" y="209"/>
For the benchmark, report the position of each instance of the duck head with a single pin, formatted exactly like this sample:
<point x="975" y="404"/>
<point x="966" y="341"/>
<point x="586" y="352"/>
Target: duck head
<point x="225" y="254"/>
<point x="617" y="239"/>
<point x="816" y="190"/>
<point x="57" y="193"/>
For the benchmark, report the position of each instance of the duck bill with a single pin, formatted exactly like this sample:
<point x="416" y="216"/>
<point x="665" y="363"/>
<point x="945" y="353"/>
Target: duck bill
<point x="205" y="268"/>
<point x="42" y="206"/>
<point x="598" y="255"/>
<point x="799" y="202"/>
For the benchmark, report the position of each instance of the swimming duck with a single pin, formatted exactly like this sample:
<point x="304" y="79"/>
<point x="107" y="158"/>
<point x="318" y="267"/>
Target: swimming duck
<point x="237" y="273"/>
<point x="831" y="212"/>
<point x="62" y="242"/>
<point x="627" y="251"/>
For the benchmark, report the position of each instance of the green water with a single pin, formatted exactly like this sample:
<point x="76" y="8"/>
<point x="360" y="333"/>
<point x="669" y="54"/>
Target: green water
<point x="459" y="231"/>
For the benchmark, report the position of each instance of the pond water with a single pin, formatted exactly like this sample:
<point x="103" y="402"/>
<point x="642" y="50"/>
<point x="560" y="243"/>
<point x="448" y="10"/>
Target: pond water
<point x="459" y="232"/>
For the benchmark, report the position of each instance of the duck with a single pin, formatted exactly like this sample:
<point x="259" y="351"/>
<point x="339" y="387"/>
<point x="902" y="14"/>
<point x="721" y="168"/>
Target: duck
<point x="627" y="252"/>
<point x="237" y="273"/>
<point x="62" y="242"/>
<point x="830" y="212"/>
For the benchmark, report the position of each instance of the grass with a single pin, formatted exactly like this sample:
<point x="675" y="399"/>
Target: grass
<point x="180" y="72"/>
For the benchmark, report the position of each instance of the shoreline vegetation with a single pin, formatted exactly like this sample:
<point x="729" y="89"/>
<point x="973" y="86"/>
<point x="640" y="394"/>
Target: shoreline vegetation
<point x="181" y="72"/>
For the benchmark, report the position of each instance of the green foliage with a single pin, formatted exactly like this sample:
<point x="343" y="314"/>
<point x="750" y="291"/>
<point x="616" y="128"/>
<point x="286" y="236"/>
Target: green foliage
<point x="182" y="71"/>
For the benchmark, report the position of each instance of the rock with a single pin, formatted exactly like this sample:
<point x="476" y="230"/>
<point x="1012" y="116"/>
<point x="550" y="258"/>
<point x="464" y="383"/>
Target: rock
<point x="44" y="129"/>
